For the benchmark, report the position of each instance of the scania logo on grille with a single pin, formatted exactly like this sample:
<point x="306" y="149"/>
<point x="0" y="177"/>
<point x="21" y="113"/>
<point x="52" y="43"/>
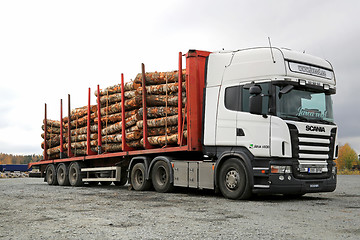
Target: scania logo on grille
<point x="315" y="128"/>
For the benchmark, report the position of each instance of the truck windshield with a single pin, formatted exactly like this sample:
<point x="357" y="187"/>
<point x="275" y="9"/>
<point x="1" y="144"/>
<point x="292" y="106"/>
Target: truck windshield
<point x="304" y="105"/>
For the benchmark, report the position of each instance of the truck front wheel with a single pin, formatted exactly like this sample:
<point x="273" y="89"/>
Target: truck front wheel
<point x="233" y="180"/>
<point x="160" y="176"/>
<point x="138" y="178"/>
<point x="51" y="178"/>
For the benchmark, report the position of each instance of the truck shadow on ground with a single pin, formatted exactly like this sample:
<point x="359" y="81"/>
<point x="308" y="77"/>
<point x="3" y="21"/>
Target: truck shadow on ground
<point x="287" y="198"/>
<point x="254" y="198"/>
<point x="204" y="193"/>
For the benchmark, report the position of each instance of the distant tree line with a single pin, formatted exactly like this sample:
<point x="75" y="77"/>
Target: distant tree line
<point x="18" y="159"/>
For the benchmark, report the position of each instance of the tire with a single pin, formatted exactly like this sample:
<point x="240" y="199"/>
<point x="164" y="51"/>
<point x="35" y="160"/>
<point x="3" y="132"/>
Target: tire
<point x="105" y="183"/>
<point x="160" y="176"/>
<point x="51" y="178"/>
<point x="234" y="180"/>
<point x="62" y="173"/>
<point x="75" y="175"/>
<point x="138" y="178"/>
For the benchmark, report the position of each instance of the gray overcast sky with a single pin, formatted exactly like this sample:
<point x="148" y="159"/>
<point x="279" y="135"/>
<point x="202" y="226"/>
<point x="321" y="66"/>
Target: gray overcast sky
<point x="51" y="48"/>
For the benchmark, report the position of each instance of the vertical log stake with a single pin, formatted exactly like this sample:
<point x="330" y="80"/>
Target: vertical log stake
<point x="124" y="145"/>
<point x="145" y="133"/>
<point x="69" y="153"/>
<point x="88" y="147"/>
<point x="45" y="134"/>
<point x="61" y="131"/>
<point x="180" y="123"/>
<point x="99" y="120"/>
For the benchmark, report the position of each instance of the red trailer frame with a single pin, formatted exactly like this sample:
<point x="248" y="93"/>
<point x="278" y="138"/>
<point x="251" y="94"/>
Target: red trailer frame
<point x="195" y="83"/>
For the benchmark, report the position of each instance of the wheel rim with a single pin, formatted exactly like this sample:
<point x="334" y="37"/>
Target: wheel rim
<point x="50" y="175"/>
<point x="161" y="176"/>
<point x="139" y="177"/>
<point x="61" y="173"/>
<point x="232" y="179"/>
<point x="73" y="174"/>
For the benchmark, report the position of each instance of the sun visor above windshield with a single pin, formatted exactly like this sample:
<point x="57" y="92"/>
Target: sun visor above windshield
<point x="308" y="67"/>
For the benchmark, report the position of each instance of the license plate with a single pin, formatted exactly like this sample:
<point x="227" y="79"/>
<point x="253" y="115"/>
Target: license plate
<point x="314" y="170"/>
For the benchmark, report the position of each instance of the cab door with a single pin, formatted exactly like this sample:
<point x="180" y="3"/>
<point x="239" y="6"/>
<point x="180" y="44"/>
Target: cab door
<point x="253" y="131"/>
<point x="228" y="107"/>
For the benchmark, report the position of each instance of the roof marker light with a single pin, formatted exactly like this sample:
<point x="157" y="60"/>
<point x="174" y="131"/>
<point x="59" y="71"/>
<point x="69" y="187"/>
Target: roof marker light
<point x="326" y="86"/>
<point x="302" y="82"/>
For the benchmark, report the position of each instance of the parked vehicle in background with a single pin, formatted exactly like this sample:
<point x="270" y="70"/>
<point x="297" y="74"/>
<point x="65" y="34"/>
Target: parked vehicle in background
<point x="14" y="168"/>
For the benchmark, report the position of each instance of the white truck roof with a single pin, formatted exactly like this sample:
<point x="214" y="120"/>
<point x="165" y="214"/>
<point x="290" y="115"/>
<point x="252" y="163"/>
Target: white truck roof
<point x="265" y="63"/>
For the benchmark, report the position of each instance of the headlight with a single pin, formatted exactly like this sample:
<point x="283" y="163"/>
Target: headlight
<point x="280" y="169"/>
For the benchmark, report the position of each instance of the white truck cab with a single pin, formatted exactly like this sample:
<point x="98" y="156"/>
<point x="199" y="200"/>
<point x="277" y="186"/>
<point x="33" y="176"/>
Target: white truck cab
<point x="273" y="108"/>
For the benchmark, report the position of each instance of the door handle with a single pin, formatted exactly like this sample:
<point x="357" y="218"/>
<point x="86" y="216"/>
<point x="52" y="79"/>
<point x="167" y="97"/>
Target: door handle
<point x="240" y="132"/>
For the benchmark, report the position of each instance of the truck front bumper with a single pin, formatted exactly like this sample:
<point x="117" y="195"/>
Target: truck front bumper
<point x="288" y="184"/>
<point x="285" y="176"/>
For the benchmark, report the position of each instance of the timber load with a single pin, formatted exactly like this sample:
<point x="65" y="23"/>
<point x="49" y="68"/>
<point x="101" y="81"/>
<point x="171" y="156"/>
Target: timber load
<point x="162" y="90"/>
<point x="52" y="140"/>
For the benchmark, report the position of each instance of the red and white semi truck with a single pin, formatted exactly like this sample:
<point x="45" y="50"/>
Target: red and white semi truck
<point x="258" y="120"/>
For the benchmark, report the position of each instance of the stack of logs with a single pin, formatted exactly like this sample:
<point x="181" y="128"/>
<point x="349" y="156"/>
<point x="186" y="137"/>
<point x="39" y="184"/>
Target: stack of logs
<point x="162" y="110"/>
<point x="52" y="136"/>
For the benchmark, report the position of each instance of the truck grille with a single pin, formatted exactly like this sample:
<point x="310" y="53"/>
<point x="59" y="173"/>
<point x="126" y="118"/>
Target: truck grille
<point x="312" y="151"/>
<point x="313" y="147"/>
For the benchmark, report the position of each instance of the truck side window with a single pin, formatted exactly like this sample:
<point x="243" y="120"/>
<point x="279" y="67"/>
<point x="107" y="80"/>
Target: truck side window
<point x="232" y="98"/>
<point x="265" y="102"/>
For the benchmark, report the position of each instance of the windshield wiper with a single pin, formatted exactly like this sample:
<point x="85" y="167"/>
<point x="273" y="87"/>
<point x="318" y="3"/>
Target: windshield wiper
<point x="304" y="119"/>
<point x="324" y="121"/>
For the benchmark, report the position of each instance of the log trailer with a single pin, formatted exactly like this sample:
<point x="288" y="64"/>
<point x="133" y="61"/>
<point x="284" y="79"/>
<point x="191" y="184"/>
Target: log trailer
<point x="258" y="121"/>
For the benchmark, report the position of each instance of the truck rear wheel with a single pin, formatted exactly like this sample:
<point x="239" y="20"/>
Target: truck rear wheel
<point x="138" y="178"/>
<point x="233" y="180"/>
<point x="62" y="173"/>
<point x="51" y="178"/>
<point x="160" y="176"/>
<point x="75" y="176"/>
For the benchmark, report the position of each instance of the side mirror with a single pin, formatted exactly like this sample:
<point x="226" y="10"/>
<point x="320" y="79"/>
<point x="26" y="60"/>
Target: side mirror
<point x="285" y="90"/>
<point x="255" y="100"/>
<point x="255" y="89"/>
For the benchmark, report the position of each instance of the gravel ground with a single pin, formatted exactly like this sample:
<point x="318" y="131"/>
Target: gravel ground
<point x="31" y="209"/>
